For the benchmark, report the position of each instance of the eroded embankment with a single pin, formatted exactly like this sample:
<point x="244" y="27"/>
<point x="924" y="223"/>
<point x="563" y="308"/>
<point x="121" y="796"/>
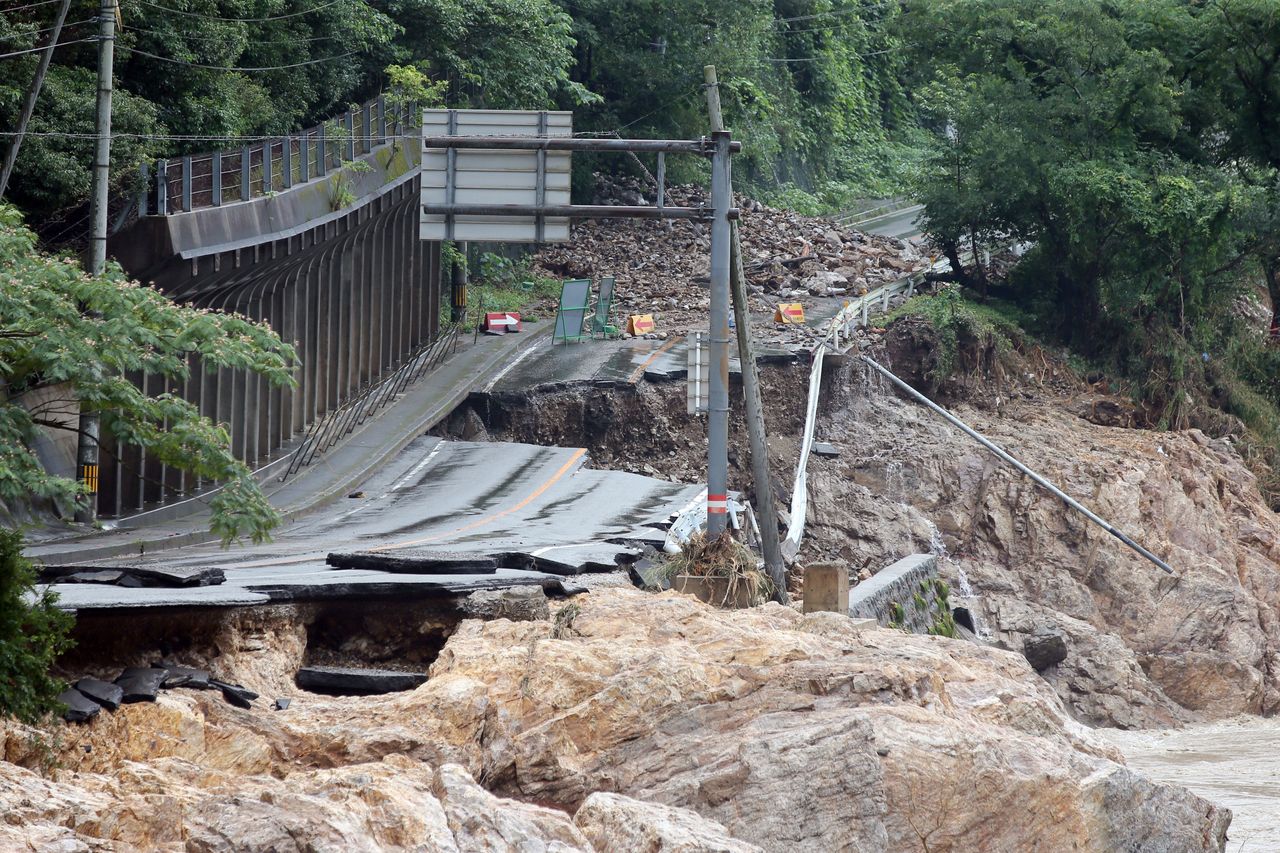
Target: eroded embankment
<point x="1143" y="648"/>
<point x="712" y="730"/>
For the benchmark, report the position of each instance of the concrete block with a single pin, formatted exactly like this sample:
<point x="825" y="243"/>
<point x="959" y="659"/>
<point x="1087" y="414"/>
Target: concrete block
<point x="826" y="588"/>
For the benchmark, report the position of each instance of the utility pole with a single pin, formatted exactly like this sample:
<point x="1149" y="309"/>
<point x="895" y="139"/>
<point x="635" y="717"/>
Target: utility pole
<point x="750" y="382"/>
<point x="87" y="446"/>
<point x="718" y="403"/>
<point x="11" y="156"/>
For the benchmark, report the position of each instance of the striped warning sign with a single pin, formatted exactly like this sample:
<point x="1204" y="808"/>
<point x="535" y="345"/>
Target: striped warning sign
<point x="501" y="322"/>
<point x="89" y="476"/>
<point x="717" y="504"/>
<point x="791" y="313"/>
<point x="640" y="324"/>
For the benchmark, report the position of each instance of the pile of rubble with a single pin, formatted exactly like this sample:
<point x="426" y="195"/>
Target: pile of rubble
<point x="663" y="267"/>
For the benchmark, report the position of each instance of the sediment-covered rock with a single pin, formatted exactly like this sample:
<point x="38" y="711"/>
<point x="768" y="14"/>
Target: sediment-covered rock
<point x="1143" y="648"/>
<point x="787" y="731"/>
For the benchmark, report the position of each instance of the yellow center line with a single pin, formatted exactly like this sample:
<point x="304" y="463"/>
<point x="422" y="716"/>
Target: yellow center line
<point x="480" y="522"/>
<point x="639" y="371"/>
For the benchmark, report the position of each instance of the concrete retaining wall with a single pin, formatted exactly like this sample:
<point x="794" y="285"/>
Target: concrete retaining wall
<point x="905" y="584"/>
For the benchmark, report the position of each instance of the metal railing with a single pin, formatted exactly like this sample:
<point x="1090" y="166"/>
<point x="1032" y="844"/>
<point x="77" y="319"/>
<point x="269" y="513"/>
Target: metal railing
<point x="211" y="179"/>
<point x="326" y="431"/>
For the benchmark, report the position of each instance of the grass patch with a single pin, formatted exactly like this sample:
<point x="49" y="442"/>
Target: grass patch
<point x="962" y="324"/>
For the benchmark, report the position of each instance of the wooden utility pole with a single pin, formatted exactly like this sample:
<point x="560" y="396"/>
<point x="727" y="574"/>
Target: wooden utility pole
<point x="11" y="156"/>
<point x="750" y="382"/>
<point x="87" y="444"/>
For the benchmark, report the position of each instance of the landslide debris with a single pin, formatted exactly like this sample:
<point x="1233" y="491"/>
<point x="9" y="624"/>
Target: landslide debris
<point x="757" y="729"/>
<point x="663" y="268"/>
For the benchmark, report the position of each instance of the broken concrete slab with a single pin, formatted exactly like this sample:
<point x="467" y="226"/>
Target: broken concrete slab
<point x="350" y="681"/>
<point x="141" y="683"/>
<point x="825" y="450"/>
<point x="105" y="693"/>
<point x="415" y="562"/>
<point x="80" y="708"/>
<point x="100" y="576"/>
<point x="135" y="575"/>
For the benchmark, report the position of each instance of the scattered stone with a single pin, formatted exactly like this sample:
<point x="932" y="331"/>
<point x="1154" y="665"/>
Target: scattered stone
<point x="281" y="704"/>
<point x="80" y="708"/>
<point x="141" y="683"/>
<point x="1045" y="648"/>
<point x="825" y="450"/>
<point x="105" y="693"/>
<point x="349" y="681"/>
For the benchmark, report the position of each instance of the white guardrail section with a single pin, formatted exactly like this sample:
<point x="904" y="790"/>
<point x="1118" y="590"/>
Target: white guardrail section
<point x="856" y="312"/>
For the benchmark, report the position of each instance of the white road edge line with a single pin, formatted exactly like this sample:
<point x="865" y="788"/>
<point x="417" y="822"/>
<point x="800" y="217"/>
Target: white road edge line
<point x="501" y="373"/>
<point x="398" y="484"/>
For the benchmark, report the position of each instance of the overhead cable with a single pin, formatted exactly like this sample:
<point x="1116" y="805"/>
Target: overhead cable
<point x="242" y="20"/>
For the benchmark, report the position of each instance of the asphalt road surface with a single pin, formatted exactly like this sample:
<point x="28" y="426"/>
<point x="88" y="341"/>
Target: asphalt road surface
<point x="481" y="498"/>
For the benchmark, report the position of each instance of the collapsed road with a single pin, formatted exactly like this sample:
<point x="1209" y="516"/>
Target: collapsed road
<point x="446" y="517"/>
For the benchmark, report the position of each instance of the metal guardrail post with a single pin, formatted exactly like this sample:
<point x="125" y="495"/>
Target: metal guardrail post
<point x="246" y="157"/>
<point x="304" y="155"/>
<point x="144" y="172"/>
<point x="322" y="156"/>
<point x="186" y="183"/>
<point x="162" y="187"/>
<point x="286" y="162"/>
<point x="215" y="191"/>
<point x="366" y="128"/>
<point x="348" y="122"/>
<point x="382" y="120"/>
<point x="267" y="182"/>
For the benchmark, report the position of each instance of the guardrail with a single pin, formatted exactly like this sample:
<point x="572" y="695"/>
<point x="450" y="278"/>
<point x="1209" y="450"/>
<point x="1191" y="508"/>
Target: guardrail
<point x="211" y="179"/>
<point x="325" y="432"/>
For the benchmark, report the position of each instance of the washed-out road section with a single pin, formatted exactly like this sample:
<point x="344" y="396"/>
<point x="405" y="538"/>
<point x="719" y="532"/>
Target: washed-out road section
<point x="537" y="507"/>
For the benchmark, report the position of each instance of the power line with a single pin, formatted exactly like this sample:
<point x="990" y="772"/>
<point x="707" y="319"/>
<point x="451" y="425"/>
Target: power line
<point x="45" y="47"/>
<point x="246" y="69"/>
<point x="166" y="137"/>
<point x="22" y="35"/>
<point x="223" y="38"/>
<point x="28" y="6"/>
<point x="852" y="10"/>
<point x="241" y="20"/>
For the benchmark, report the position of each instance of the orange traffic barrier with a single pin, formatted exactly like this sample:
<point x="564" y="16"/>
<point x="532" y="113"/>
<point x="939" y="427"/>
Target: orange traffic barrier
<point x="791" y="313"/>
<point x="640" y="324"/>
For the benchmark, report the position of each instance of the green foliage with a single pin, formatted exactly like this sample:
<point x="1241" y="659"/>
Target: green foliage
<point x="33" y="632"/>
<point x="960" y="323"/>
<point x="61" y="330"/>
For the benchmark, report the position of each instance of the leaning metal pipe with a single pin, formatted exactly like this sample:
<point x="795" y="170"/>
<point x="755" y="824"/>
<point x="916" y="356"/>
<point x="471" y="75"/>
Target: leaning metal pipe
<point x="998" y="451"/>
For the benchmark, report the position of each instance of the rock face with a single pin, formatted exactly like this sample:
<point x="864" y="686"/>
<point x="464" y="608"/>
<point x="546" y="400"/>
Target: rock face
<point x="1143" y="648"/>
<point x="650" y="718"/>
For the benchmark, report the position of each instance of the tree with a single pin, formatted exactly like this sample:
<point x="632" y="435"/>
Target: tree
<point x="60" y="328"/>
<point x="33" y="632"/>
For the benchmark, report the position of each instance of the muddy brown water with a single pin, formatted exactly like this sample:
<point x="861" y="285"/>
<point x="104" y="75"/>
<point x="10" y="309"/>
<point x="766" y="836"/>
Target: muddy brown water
<point x="1235" y="763"/>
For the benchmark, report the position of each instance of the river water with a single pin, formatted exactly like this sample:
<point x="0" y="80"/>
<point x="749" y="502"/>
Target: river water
<point x="1235" y="763"/>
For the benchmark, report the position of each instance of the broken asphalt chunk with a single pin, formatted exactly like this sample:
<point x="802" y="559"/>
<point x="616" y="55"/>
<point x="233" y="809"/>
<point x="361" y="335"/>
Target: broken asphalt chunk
<point x="235" y="694"/>
<point x="825" y="450"/>
<point x="141" y="683"/>
<point x="416" y="562"/>
<point x="105" y="693"/>
<point x="80" y="708"/>
<point x="185" y="676"/>
<point x="349" y="681"/>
